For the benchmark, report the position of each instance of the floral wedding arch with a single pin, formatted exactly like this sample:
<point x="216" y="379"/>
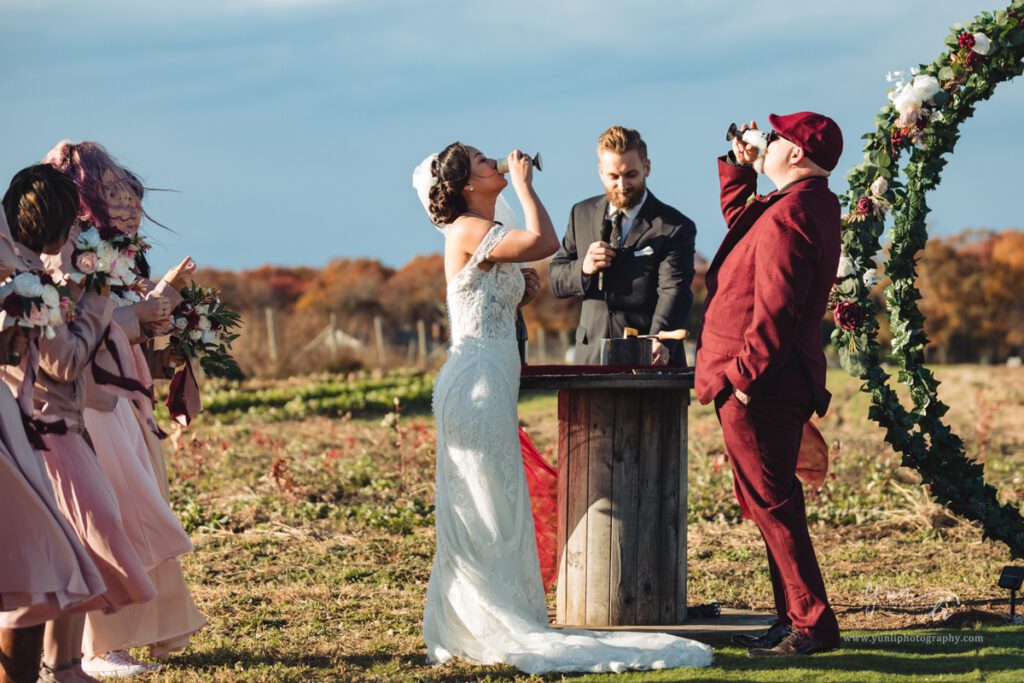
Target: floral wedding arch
<point x="921" y="122"/>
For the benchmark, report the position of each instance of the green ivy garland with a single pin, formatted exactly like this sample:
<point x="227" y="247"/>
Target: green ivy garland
<point x="923" y="117"/>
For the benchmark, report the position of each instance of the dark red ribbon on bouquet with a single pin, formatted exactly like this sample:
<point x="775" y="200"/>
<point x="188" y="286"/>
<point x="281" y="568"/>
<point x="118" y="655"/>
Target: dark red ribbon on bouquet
<point x="183" y="399"/>
<point x="33" y="427"/>
<point x="122" y="381"/>
<point x="132" y="380"/>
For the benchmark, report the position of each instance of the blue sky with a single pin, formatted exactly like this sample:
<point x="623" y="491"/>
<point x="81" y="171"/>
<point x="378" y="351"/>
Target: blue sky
<point x="290" y="128"/>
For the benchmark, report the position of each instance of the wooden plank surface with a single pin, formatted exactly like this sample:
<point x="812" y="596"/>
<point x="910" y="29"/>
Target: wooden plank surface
<point x="625" y="462"/>
<point x="576" y="519"/>
<point x="669" y="509"/>
<point x="684" y="506"/>
<point x="679" y="381"/>
<point x="648" y="507"/>
<point x="599" y="504"/>
<point x="564" y="399"/>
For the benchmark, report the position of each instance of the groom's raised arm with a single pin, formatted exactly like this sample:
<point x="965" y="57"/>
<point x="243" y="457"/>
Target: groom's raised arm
<point x="565" y="274"/>
<point x="739" y="184"/>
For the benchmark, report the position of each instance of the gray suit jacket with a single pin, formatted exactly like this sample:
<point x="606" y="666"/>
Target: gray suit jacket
<point x="651" y="293"/>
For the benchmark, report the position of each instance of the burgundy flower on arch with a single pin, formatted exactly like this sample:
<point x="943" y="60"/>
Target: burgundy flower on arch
<point x="972" y="59"/>
<point x="896" y="140"/>
<point x="865" y="206"/>
<point x="849" y="315"/>
<point x="966" y="40"/>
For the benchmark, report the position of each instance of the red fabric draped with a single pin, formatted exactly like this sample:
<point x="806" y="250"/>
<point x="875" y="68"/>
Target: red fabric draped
<point x="542" y="481"/>
<point x="812" y="461"/>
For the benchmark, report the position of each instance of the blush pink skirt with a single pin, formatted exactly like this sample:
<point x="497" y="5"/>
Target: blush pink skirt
<point x="89" y="505"/>
<point x="165" y="624"/>
<point x="123" y="455"/>
<point x="44" y="568"/>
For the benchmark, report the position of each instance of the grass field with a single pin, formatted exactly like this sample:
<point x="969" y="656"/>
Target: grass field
<point x="314" y="538"/>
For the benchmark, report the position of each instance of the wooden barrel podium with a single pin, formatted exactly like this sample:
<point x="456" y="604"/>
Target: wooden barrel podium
<point x="622" y="455"/>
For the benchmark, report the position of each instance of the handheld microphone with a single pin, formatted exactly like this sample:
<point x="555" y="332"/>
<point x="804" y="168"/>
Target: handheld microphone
<point x="606" y="234"/>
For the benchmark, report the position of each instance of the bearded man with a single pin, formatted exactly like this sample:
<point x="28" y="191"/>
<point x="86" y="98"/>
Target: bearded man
<point x="629" y="255"/>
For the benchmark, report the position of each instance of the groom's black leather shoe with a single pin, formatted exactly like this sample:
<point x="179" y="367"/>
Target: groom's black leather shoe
<point x="770" y="638"/>
<point x="795" y="643"/>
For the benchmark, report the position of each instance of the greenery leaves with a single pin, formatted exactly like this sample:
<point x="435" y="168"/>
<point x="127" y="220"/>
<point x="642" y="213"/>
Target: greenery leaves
<point x="981" y="55"/>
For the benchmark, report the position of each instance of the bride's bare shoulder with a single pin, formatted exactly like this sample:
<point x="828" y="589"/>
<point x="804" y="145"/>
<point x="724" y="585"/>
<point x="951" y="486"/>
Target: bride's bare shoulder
<point x="468" y="231"/>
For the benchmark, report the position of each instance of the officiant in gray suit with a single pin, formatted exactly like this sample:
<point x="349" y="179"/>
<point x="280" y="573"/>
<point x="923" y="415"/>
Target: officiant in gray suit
<point x="629" y="255"/>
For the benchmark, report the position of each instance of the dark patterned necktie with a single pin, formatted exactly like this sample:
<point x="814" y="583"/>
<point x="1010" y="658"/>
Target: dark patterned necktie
<point x="616" y="237"/>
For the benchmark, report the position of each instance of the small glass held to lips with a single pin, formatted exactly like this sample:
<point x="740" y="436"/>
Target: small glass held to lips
<point x="503" y="163"/>
<point x="752" y="136"/>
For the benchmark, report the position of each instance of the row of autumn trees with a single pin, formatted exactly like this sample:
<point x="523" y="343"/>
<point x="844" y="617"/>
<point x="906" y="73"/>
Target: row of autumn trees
<point x="968" y="284"/>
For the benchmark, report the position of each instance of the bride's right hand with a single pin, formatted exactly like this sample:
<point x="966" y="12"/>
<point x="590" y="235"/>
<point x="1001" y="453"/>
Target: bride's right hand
<point x="520" y="167"/>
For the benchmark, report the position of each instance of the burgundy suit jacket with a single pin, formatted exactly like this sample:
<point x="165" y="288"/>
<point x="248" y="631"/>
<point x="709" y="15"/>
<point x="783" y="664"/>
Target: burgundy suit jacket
<point x="768" y="286"/>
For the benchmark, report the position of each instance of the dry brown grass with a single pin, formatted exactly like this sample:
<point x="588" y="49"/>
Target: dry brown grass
<point x="319" y="572"/>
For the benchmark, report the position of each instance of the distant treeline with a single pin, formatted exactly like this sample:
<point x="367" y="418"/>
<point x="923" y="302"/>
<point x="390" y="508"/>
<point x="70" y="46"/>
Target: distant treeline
<point x="969" y="285"/>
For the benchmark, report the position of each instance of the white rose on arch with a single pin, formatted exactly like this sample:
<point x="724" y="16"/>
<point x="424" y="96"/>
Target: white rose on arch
<point x="870" y="278"/>
<point x="906" y="99"/>
<point x="982" y="44"/>
<point x="847" y="266"/>
<point x="927" y="87"/>
<point x="880" y="186"/>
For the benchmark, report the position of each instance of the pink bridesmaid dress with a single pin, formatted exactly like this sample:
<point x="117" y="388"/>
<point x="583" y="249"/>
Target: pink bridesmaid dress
<point x="83" y="492"/>
<point x="167" y="623"/>
<point x="44" y="568"/>
<point x="123" y="454"/>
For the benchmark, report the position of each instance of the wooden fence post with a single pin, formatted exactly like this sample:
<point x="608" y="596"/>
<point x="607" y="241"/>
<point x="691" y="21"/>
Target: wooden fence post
<point x="271" y="336"/>
<point x="421" y="333"/>
<point x="378" y="331"/>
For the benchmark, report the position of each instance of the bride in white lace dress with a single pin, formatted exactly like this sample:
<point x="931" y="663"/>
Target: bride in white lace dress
<point x="485" y="601"/>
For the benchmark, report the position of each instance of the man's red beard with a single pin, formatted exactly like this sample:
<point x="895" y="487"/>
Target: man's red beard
<point x="626" y="199"/>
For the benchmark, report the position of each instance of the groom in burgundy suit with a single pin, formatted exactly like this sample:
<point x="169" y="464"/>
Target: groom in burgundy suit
<point x="760" y="353"/>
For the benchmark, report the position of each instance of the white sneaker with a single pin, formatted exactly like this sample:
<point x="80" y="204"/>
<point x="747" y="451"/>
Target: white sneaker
<point x="116" y="664"/>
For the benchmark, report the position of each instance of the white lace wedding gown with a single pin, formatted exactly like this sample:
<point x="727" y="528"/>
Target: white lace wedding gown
<point x="485" y="601"/>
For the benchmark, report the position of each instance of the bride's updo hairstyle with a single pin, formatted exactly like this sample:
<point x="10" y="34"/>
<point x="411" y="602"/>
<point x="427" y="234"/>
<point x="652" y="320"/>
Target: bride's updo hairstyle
<point x="451" y="168"/>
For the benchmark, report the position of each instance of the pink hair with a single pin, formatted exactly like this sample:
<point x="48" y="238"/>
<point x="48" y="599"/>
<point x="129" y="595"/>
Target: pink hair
<point x="85" y="163"/>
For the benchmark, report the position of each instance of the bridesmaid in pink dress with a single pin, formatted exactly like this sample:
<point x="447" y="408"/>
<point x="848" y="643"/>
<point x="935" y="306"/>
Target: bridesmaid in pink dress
<point x="166" y="624"/>
<point x="82" y="490"/>
<point x="45" y="569"/>
<point x="118" y="393"/>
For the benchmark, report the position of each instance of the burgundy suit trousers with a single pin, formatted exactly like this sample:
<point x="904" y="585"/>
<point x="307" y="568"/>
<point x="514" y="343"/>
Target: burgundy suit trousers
<point x="762" y="440"/>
